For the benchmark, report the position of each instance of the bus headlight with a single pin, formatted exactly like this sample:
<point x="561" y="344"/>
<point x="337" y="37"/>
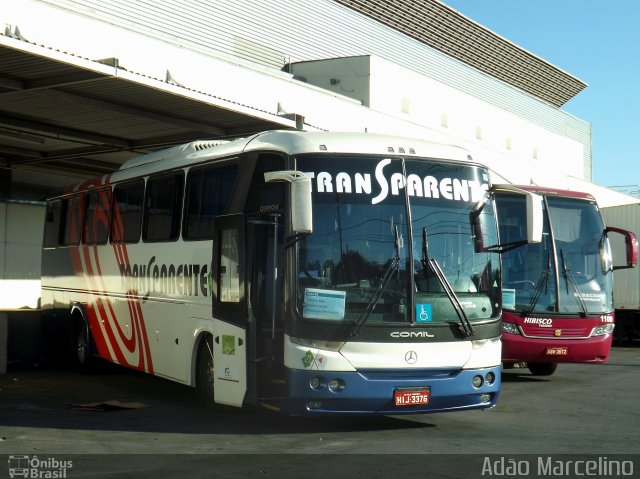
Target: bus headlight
<point x="602" y="330"/>
<point x="336" y="385"/>
<point x="510" y="328"/>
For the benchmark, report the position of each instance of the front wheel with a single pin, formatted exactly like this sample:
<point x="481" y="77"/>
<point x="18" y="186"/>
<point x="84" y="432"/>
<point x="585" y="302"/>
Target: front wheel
<point x="204" y="372"/>
<point x="542" y="369"/>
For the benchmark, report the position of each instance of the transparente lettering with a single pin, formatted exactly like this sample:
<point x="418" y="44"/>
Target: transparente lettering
<point x="449" y="188"/>
<point x="165" y="278"/>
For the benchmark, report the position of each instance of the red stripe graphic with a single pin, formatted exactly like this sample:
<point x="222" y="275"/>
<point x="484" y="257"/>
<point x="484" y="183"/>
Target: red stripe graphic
<point x="112" y="342"/>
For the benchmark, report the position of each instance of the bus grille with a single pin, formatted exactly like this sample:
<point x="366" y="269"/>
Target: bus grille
<point x="534" y="331"/>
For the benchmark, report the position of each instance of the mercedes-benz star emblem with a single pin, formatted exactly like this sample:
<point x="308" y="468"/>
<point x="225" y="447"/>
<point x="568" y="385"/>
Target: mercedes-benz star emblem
<point x="411" y="357"/>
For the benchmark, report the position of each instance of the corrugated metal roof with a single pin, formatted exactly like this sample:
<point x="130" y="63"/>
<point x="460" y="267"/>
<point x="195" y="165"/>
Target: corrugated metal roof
<point x="82" y="117"/>
<point x="443" y="28"/>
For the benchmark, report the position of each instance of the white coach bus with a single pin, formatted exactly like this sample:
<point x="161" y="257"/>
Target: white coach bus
<point x="309" y="273"/>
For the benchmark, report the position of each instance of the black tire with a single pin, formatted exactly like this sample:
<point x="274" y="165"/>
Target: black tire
<point x="542" y="369"/>
<point x="83" y="351"/>
<point x="205" y="371"/>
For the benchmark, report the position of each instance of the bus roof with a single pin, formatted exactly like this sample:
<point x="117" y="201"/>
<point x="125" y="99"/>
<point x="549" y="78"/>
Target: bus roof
<point x="557" y="192"/>
<point x="296" y="142"/>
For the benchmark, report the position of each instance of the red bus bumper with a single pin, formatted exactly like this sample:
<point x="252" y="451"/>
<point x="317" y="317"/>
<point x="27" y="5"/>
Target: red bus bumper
<point x="516" y="348"/>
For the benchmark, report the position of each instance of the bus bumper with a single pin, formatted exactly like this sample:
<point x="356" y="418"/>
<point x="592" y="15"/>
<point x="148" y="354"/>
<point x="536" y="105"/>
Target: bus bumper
<point x="372" y="392"/>
<point x="516" y="348"/>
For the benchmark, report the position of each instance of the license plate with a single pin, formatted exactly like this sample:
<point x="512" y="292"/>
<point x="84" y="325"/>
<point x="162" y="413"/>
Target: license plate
<point x="557" y="351"/>
<point x="411" y="397"/>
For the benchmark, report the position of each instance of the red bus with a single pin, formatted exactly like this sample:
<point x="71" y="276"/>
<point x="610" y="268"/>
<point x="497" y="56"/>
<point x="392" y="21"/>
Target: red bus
<point x="557" y="295"/>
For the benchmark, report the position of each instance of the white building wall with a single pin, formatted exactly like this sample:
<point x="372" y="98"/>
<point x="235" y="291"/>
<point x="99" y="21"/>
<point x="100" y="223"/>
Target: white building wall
<point x="21" y="229"/>
<point x="521" y="151"/>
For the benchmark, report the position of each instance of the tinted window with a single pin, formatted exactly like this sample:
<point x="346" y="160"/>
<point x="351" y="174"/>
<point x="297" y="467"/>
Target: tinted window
<point x="263" y="194"/>
<point x="127" y="212"/>
<point x="52" y="223"/>
<point x="72" y="212"/>
<point x="208" y="193"/>
<point x="97" y="214"/>
<point x="163" y="208"/>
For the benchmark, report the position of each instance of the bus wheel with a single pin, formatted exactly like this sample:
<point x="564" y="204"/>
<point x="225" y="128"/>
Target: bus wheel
<point x="204" y="373"/>
<point x="542" y="369"/>
<point x="83" y="356"/>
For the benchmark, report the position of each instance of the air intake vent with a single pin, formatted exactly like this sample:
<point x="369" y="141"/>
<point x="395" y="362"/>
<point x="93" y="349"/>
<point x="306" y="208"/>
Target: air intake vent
<point x="171" y="153"/>
<point x="205" y="145"/>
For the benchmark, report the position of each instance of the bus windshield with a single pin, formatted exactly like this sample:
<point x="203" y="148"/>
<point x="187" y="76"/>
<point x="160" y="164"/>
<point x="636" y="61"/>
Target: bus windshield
<point x="377" y="223"/>
<point x="567" y="271"/>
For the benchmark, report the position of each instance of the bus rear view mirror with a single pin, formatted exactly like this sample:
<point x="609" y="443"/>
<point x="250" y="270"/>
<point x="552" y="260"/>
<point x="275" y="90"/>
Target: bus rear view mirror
<point x="299" y="198"/>
<point x="631" y="246"/>
<point x="520" y="218"/>
<point x="535" y="219"/>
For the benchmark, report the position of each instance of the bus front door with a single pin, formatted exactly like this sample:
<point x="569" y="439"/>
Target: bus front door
<point x="266" y="323"/>
<point x="229" y="312"/>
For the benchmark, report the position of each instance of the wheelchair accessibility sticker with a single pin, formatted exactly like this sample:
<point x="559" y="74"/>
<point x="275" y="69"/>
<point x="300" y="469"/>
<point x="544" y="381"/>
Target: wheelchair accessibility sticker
<point x="423" y="313"/>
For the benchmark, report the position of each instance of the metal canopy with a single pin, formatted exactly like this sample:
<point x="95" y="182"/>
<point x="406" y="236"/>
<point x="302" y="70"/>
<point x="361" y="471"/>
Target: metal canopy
<point x="66" y="115"/>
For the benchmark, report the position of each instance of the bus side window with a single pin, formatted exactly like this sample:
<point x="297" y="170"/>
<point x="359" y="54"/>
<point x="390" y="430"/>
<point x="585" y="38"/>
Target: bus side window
<point x="53" y="217"/>
<point x="126" y="221"/>
<point x="163" y="207"/>
<point x="97" y="214"/>
<point x="72" y="213"/>
<point x="209" y="190"/>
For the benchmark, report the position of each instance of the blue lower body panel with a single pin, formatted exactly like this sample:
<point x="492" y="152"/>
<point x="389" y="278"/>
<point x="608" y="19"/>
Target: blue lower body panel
<point x="372" y="391"/>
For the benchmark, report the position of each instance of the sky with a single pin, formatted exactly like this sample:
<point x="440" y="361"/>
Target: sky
<point x="596" y="41"/>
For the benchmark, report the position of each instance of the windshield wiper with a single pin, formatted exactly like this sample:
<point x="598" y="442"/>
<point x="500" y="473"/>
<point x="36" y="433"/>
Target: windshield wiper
<point x="571" y="281"/>
<point x="425" y="251"/>
<point x="391" y="268"/>
<point x="543" y="282"/>
<point x="431" y="263"/>
<point x="465" y="324"/>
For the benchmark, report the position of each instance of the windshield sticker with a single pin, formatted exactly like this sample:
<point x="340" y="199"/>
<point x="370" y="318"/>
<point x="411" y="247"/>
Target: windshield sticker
<point x="448" y="188"/>
<point x="313" y="361"/>
<point x="592" y="297"/>
<point x="228" y="345"/>
<point x="423" y="313"/>
<point x="324" y="304"/>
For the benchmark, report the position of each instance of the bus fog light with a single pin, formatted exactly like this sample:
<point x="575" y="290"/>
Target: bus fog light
<point x="485" y="398"/>
<point x="314" y="404"/>
<point x="336" y="385"/>
<point x="477" y="381"/>
<point x="490" y="378"/>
